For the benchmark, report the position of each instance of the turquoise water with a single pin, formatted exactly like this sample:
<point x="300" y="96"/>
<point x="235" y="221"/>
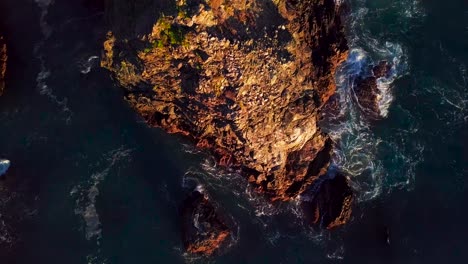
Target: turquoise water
<point x="91" y="183"/>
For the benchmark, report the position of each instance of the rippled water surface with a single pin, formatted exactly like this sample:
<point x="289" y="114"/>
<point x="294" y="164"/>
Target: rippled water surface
<point x="91" y="183"/>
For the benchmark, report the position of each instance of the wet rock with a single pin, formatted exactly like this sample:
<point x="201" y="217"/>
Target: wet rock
<point x="367" y="91"/>
<point x="203" y="229"/>
<point x="3" y="63"/>
<point x="328" y="203"/>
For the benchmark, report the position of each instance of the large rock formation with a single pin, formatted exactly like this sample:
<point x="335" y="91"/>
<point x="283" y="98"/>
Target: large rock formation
<point x="3" y="63"/>
<point x="244" y="79"/>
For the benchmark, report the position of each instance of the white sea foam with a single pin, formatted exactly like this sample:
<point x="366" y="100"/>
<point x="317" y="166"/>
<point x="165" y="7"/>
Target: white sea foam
<point x="411" y="8"/>
<point x="4" y="166"/>
<point x="337" y="254"/>
<point x="87" y="65"/>
<point x="44" y="72"/>
<point x="44" y="6"/>
<point x="394" y="54"/>
<point x="357" y="146"/>
<point x="453" y="93"/>
<point x="86" y="193"/>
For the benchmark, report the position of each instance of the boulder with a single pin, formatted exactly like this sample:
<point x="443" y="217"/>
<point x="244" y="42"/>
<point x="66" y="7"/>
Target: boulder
<point x="367" y="91"/>
<point x="203" y="229"/>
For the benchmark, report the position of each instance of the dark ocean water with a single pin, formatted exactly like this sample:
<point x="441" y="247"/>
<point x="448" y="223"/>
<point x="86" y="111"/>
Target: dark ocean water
<point x="91" y="183"/>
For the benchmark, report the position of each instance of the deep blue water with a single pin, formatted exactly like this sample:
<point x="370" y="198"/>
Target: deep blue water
<point x="91" y="183"/>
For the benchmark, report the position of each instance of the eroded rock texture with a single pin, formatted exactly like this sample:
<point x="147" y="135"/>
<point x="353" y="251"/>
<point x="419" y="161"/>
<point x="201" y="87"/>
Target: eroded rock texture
<point x="204" y="230"/>
<point x="245" y="79"/>
<point x="3" y="63"/>
<point x="367" y="91"/>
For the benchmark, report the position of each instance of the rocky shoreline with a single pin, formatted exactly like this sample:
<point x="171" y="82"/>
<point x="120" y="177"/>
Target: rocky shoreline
<point x="245" y="80"/>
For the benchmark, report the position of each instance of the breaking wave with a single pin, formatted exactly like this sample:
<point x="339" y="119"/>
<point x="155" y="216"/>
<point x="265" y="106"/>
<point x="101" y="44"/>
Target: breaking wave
<point x="362" y="153"/>
<point x="86" y="65"/>
<point x="4" y="166"/>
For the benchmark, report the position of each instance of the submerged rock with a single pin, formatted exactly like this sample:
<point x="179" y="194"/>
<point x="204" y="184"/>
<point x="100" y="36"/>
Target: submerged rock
<point x="367" y="91"/>
<point x="3" y="63"/>
<point x="329" y="202"/>
<point x="204" y="231"/>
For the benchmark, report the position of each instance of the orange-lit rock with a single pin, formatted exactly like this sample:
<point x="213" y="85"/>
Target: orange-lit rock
<point x="244" y="79"/>
<point x="204" y="231"/>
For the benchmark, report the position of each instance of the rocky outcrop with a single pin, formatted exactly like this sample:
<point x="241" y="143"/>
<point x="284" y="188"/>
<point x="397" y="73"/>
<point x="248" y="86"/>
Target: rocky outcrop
<point x="3" y="63"/>
<point x="204" y="231"/>
<point x="244" y="79"/>
<point x="329" y="202"/>
<point x="367" y="92"/>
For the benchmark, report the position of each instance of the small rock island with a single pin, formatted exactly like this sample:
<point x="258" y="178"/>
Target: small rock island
<point x="246" y="81"/>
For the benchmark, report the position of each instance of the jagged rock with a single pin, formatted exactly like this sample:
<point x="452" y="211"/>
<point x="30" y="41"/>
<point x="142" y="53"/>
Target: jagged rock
<point x="243" y="79"/>
<point x="3" y="63"/>
<point x="329" y="202"/>
<point x="203" y="229"/>
<point x="367" y="92"/>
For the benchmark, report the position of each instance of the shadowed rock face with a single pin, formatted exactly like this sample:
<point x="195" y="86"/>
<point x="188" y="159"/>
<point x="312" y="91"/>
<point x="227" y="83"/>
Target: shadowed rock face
<point x="329" y="204"/>
<point x="245" y="80"/>
<point x="204" y="231"/>
<point x="3" y="63"/>
<point x="367" y="91"/>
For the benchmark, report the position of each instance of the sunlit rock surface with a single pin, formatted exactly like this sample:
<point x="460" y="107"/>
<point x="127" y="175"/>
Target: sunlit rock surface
<point x="245" y="80"/>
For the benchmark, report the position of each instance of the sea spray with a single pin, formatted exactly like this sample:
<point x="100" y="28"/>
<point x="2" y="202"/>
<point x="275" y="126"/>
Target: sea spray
<point x="4" y="166"/>
<point x="361" y="152"/>
<point x="45" y="73"/>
